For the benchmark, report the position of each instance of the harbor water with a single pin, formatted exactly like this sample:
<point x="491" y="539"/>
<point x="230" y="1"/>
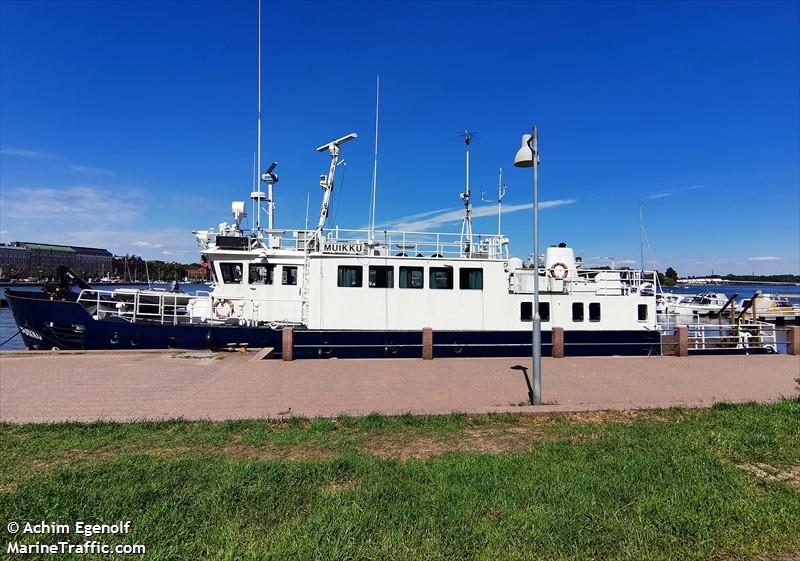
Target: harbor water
<point x="8" y="327"/>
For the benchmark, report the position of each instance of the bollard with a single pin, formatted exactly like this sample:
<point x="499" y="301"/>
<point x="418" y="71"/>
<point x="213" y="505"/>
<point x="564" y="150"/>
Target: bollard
<point x="288" y="343"/>
<point x="427" y="343"/>
<point x="681" y="341"/>
<point x="558" y="342"/>
<point x="793" y="340"/>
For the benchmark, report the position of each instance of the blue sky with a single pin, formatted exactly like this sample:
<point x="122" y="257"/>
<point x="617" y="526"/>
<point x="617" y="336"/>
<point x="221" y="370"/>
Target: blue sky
<point x="128" y="124"/>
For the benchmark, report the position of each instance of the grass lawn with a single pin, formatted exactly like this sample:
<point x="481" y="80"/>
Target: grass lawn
<point x="719" y="484"/>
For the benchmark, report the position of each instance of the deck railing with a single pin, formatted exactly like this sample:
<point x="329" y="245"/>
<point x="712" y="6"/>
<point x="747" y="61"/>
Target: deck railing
<point x="179" y="308"/>
<point x="399" y="243"/>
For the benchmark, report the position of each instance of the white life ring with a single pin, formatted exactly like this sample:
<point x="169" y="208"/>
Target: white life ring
<point x="559" y="276"/>
<point x="224" y="309"/>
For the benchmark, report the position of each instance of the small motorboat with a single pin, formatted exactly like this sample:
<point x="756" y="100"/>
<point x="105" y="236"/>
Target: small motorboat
<point x="706" y="303"/>
<point x="773" y="307"/>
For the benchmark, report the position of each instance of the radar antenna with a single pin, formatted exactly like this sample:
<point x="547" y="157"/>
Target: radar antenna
<point x="326" y="181"/>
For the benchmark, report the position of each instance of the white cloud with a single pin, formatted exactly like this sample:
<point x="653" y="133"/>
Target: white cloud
<point x="39" y="155"/>
<point x="764" y="258"/>
<point x="29" y="154"/>
<point x="90" y="205"/>
<point x="425" y="221"/>
<point x="670" y="192"/>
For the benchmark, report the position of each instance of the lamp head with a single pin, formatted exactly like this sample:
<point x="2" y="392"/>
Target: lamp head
<point x="524" y="158"/>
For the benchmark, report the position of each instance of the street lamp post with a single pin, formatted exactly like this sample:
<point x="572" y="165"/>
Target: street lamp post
<point x="528" y="156"/>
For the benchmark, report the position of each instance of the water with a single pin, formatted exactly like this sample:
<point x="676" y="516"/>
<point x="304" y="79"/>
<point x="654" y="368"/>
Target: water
<point x="8" y="327"/>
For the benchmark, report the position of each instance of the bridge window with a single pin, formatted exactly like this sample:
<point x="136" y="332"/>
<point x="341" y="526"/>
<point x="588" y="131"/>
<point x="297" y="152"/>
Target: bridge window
<point x="231" y="273"/>
<point x="260" y="273"/>
<point x="577" y="311"/>
<point x="594" y="311"/>
<point x="470" y="279"/>
<point x="350" y="276"/>
<point x="289" y="275"/>
<point x="642" y="312"/>
<point x="526" y="311"/>
<point x="381" y="277"/>
<point x="411" y="277"/>
<point x="441" y="277"/>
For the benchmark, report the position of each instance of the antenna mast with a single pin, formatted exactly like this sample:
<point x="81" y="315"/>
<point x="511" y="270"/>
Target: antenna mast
<point x="373" y="200"/>
<point x="466" y="225"/>
<point x="641" y="237"/>
<point x="501" y="193"/>
<point x="257" y="196"/>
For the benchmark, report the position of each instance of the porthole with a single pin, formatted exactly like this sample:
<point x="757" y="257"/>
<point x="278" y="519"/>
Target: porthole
<point x="114" y="339"/>
<point x="135" y="340"/>
<point x="172" y="343"/>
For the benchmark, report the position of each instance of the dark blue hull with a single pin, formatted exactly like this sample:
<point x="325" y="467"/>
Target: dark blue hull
<point x="48" y="324"/>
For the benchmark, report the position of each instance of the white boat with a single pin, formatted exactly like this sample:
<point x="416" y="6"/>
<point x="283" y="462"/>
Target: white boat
<point x="773" y="307"/>
<point x="665" y="301"/>
<point x="702" y="304"/>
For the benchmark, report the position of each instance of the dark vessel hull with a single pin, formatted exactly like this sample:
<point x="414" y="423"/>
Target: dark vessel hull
<point x="48" y="324"/>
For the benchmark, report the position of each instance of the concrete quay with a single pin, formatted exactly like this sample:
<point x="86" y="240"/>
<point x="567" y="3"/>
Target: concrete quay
<point x="40" y="387"/>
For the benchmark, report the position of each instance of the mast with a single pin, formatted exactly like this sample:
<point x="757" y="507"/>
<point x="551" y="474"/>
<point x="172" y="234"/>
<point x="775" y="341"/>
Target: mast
<point x="501" y="193"/>
<point x="466" y="225"/>
<point x="641" y="238"/>
<point x="257" y="196"/>
<point x="373" y="200"/>
<point x="326" y="181"/>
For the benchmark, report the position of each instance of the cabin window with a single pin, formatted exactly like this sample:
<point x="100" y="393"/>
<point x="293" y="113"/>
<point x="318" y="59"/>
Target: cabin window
<point x="261" y="273"/>
<point x="231" y="273"/>
<point x="289" y="275"/>
<point x="525" y="311"/>
<point x="441" y="277"/>
<point x="594" y="311"/>
<point x="411" y="277"/>
<point x="381" y="276"/>
<point x="577" y="311"/>
<point x="642" y="312"/>
<point x="350" y="276"/>
<point x="470" y="279"/>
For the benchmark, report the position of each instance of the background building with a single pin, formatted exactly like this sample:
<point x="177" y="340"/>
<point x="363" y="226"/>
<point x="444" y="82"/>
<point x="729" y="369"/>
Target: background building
<point x="14" y="260"/>
<point x="42" y="260"/>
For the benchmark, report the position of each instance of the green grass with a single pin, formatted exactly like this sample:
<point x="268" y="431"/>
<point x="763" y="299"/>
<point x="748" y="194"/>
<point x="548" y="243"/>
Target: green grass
<point x="657" y="485"/>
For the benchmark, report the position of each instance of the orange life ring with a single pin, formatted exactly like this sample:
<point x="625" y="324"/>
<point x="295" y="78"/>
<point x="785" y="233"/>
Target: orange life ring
<point x="231" y="309"/>
<point x="553" y="271"/>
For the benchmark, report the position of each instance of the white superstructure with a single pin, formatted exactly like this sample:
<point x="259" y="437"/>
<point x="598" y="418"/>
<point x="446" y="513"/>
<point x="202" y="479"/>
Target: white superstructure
<point x="389" y="280"/>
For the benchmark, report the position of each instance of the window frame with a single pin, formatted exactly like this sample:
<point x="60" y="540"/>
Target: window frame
<point x="388" y="271"/>
<point x="285" y="277"/>
<point x="594" y="318"/>
<point x="433" y="282"/>
<point x="463" y="283"/>
<point x="410" y="269"/>
<point x="268" y="280"/>
<point x="359" y="276"/>
<point x="578" y="318"/>
<point x="639" y="314"/>
<point x="229" y="266"/>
